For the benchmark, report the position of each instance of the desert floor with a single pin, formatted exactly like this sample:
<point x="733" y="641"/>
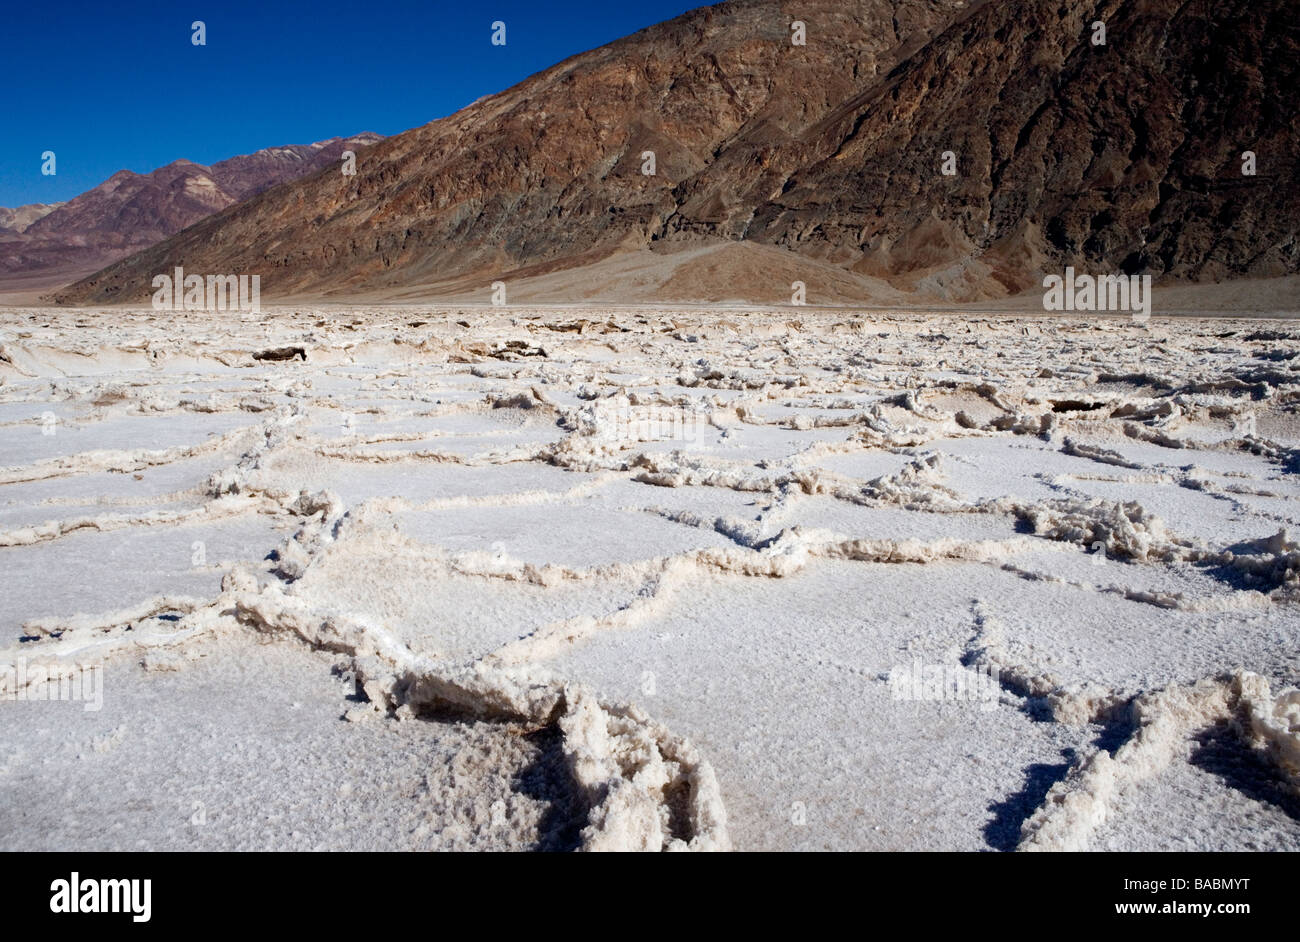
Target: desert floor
<point x="630" y="577"/>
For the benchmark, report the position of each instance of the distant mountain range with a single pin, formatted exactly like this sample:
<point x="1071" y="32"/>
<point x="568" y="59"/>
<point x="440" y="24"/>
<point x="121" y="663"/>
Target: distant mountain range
<point x="822" y="162"/>
<point x="15" y="221"/>
<point x="131" y="211"/>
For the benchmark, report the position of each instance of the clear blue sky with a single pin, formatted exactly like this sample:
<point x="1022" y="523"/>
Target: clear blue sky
<point x="110" y="86"/>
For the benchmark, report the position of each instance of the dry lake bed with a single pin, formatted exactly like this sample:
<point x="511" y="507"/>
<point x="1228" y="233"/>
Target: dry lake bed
<point x="640" y="578"/>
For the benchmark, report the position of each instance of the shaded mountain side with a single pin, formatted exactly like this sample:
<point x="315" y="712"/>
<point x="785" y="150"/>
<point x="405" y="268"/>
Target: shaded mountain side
<point x="1118" y="157"/>
<point x="1125" y="156"/>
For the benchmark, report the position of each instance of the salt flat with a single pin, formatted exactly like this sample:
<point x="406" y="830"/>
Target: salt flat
<point x="650" y="579"/>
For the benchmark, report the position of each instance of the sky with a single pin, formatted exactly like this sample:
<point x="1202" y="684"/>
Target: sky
<point x="113" y="86"/>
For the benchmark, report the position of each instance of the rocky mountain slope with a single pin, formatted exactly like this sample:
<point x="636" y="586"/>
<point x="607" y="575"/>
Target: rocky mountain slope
<point x="1122" y="156"/>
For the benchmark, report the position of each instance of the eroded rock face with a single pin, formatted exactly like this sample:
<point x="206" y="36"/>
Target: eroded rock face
<point x="1123" y="156"/>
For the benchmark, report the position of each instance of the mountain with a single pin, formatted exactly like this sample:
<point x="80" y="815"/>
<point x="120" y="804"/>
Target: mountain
<point x="776" y="160"/>
<point x="130" y="211"/>
<point x="15" y="221"/>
